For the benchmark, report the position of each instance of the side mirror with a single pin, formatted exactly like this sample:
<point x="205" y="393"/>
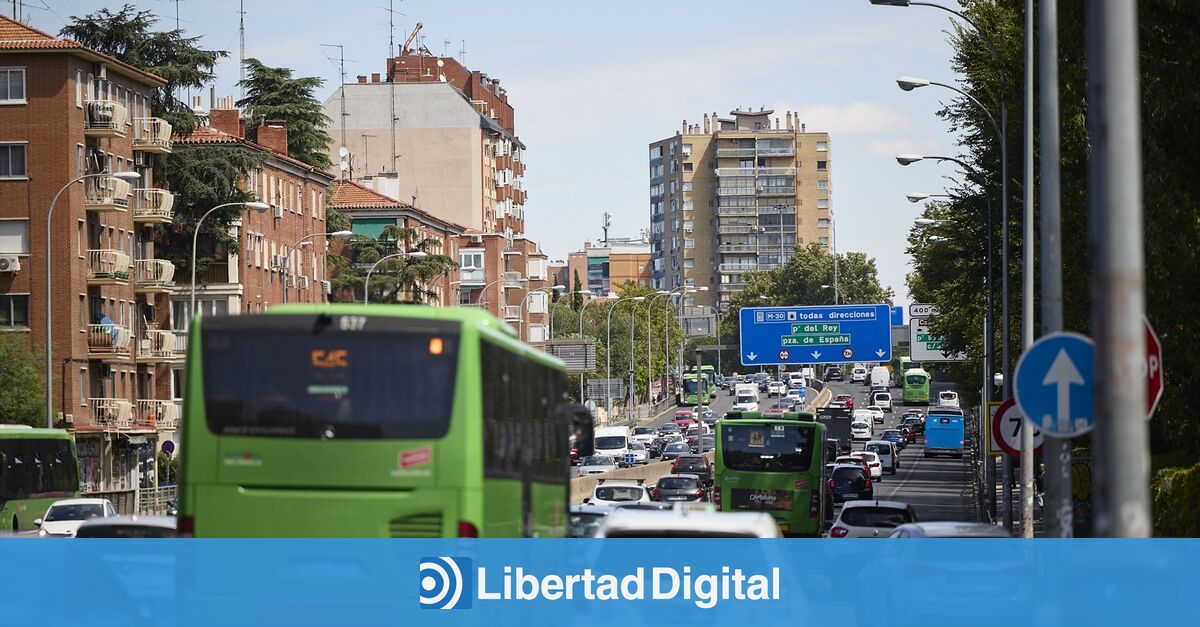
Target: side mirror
<point x="37" y="522"/>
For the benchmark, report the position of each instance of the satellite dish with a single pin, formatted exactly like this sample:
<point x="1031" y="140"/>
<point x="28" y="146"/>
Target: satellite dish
<point x="343" y="152"/>
<point x="442" y="77"/>
<point x="344" y="165"/>
<point x="441" y="63"/>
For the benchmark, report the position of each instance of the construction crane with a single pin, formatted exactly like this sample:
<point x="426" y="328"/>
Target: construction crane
<point x="404" y="48"/>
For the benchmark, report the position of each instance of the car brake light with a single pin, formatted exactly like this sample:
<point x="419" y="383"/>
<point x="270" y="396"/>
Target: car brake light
<point x="868" y="480"/>
<point x="700" y="493"/>
<point x="186" y="527"/>
<point x="838" y="532"/>
<point x="656" y="494"/>
<point x="814" y="503"/>
<point x="467" y="530"/>
<point x="962" y="442"/>
<point x="831" y="484"/>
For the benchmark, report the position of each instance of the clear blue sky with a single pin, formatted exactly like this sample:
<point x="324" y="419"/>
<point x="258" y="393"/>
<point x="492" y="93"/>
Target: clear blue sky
<point x="594" y="83"/>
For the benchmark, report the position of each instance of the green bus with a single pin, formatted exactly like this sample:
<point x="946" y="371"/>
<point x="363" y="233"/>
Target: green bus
<point x="37" y="468"/>
<point x="776" y="465"/>
<point x="900" y="365"/>
<point x="353" y="420"/>
<point x="710" y="375"/>
<point x="916" y="387"/>
<point x="694" y="390"/>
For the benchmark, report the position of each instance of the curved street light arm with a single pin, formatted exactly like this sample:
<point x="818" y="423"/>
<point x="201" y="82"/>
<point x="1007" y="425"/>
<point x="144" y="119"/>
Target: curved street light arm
<point x="367" y="282"/>
<point x="995" y="127"/>
<point x="987" y="39"/>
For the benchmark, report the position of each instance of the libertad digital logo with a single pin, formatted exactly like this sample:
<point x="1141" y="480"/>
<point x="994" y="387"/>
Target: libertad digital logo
<point x="443" y="581"/>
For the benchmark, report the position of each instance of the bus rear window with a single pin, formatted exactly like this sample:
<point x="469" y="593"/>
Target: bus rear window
<point x="767" y="448"/>
<point x="305" y="376"/>
<point x="915" y="379"/>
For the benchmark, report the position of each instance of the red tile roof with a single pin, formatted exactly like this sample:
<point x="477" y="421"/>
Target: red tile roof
<point x="351" y="195"/>
<point x="210" y="135"/>
<point x="17" y="36"/>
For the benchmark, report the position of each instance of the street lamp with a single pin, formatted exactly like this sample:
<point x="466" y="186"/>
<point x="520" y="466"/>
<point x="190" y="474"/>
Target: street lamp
<point x="915" y="197"/>
<point x="927" y="222"/>
<point x="649" y="333"/>
<point x="255" y="205"/>
<point x="524" y="322"/>
<point x="608" y="352"/>
<point x="288" y="264"/>
<point x="412" y="254"/>
<point x="128" y="177"/>
<point x="938" y="238"/>
<point x="683" y="334"/>
<point x="835" y="292"/>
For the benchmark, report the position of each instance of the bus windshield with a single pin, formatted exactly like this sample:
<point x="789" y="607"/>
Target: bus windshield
<point x="300" y="378"/>
<point x="690" y="386"/>
<point x="915" y="379"/>
<point x="768" y="448"/>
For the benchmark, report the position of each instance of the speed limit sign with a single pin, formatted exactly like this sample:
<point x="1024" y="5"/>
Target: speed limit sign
<point x="1006" y="426"/>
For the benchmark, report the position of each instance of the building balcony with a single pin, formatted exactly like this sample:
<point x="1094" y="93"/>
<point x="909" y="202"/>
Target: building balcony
<point x="160" y="415"/>
<point x="738" y="248"/>
<point x="106" y="193"/>
<point x="471" y="278"/>
<point x="111" y="412"/>
<point x="734" y="268"/>
<point x="512" y="313"/>
<point x="777" y="191"/>
<point x="108" y="267"/>
<point x="776" y="151"/>
<point x="731" y="229"/>
<point x="731" y="287"/>
<point x="735" y="191"/>
<point x="104" y="118"/>
<point x="152" y="135"/>
<point x="776" y="209"/>
<point x="737" y="211"/>
<point x="756" y="171"/>
<point x="108" y="341"/>
<point x="157" y="347"/>
<point x="153" y="276"/>
<point x="740" y="153"/>
<point x="152" y="206"/>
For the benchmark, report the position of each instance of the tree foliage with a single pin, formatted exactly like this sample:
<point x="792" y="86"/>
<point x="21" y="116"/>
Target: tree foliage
<point x="127" y="35"/>
<point x="273" y="94"/>
<point x="22" y="381"/>
<point x="399" y="279"/>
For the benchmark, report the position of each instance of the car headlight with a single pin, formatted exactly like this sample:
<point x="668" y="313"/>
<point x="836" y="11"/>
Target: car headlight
<point x="42" y="533"/>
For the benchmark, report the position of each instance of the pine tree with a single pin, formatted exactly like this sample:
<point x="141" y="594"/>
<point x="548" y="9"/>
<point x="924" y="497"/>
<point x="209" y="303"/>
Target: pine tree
<point x="273" y="94"/>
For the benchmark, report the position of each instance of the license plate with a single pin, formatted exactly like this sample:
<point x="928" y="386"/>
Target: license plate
<point x="676" y="498"/>
<point x="850" y="495"/>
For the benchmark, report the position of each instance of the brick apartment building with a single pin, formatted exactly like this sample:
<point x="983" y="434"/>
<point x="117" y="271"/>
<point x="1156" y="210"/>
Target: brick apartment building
<point x="602" y="268"/>
<point x="509" y="277"/>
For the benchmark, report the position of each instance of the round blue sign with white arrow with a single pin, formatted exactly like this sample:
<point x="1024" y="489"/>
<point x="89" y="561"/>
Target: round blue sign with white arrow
<point x="1053" y="384"/>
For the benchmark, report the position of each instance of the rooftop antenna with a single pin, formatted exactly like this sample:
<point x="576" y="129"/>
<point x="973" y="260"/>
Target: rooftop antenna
<point x="241" y="44"/>
<point x="607" y="223"/>
<point x="342" y="86"/>
<point x="390" y="78"/>
<point x="462" y="53"/>
<point x="445" y="47"/>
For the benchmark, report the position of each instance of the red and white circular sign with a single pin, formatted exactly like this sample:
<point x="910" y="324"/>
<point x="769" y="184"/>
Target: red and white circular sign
<point x="1006" y="429"/>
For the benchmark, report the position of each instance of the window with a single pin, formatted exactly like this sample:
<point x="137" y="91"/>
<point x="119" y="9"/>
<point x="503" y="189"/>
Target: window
<point x="823" y="184"/>
<point x="687" y="166"/>
<point x="822" y="223"/>
<point x="80" y="160"/>
<point x="822" y="203"/>
<point x="14" y="236"/>
<point x="689" y="263"/>
<point x="824" y="241"/>
<point x="689" y="243"/>
<point x="822" y="146"/>
<point x="687" y="186"/>
<point x="656" y="152"/>
<point x="687" y="149"/>
<point x="12" y="160"/>
<point x="12" y="85"/>
<point x="822" y="166"/>
<point x="689" y="226"/>
<point x="14" y="311"/>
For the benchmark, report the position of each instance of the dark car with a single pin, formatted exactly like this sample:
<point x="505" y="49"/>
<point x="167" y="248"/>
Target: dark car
<point x="915" y="422"/>
<point x="835" y="373"/>
<point x="850" y="483"/>
<point x="694" y="465"/>
<point x="673" y="450"/>
<point x="668" y="427"/>
<point x="709" y="441"/>
<point x="684" y="487"/>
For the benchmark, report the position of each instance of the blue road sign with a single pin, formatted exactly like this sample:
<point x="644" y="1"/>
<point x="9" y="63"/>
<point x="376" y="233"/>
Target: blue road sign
<point x="1053" y="384"/>
<point x="897" y="316"/>
<point x="815" y="335"/>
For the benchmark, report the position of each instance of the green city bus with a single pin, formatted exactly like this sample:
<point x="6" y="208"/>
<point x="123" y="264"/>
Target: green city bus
<point x="37" y="468"/>
<point x="694" y="390"/>
<point x="710" y="375"/>
<point x="353" y="420"/>
<point x="916" y="387"/>
<point x="776" y="465"/>
<point x="900" y="365"/>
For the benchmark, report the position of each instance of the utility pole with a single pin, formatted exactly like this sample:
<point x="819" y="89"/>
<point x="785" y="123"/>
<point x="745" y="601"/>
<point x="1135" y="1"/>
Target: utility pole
<point x="1027" y="273"/>
<point x="1056" y="506"/>
<point x="241" y="43"/>
<point x="1118" y="280"/>
<point x="366" y="155"/>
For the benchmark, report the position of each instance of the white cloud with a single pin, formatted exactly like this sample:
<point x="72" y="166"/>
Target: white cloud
<point x="893" y="147"/>
<point x="858" y="117"/>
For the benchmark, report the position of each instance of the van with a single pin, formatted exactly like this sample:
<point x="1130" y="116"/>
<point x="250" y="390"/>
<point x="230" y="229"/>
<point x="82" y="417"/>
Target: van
<point x="795" y="379"/>
<point x="614" y="441"/>
<point x="887" y="454"/>
<point x="745" y="397"/>
<point x="880" y="377"/>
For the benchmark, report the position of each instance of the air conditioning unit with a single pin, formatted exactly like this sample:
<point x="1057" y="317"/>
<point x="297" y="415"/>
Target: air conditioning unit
<point x="66" y="418"/>
<point x="278" y="261"/>
<point x="278" y="210"/>
<point x="10" y="263"/>
<point x="303" y="282"/>
<point x="291" y="280"/>
<point x="476" y="239"/>
<point x="327" y="287"/>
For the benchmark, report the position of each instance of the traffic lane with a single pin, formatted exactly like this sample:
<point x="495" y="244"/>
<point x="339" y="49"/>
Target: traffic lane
<point x="721" y="404"/>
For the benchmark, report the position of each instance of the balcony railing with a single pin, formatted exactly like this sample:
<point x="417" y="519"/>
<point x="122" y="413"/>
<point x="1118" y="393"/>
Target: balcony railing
<point x="771" y="209"/>
<point x="777" y="191"/>
<point x="107" y="193"/>
<point x="152" y="135"/>
<point x="104" y="118"/>
<point x="157" y="346"/>
<point x="738" y="248"/>
<point x="512" y="312"/>
<point x="777" y="171"/>
<point x="756" y="171"/>
<point x="152" y="206"/>
<point x="471" y="278"/>
<point x="161" y="415"/>
<point x="181" y="342"/>
<point x="737" y="267"/>
<point x="153" y="275"/>
<point x="723" y="153"/>
<point x="735" y="228"/>
<point x="770" y="151"/>
<point x="111" y="412"/>
<point x="107" y="340"/>
<point x="107" y="267"/>
<point x="735" y="191"/>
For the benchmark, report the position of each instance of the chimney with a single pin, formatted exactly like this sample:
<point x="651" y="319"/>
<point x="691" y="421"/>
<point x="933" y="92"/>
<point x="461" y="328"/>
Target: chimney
<point x="272" y="135"/>
<point x="802" y="128"/>
<point x="374" y="77"/>
<point x="685" y="127"/>
<point x="362" y="80"/>
<point x="706" y="123"/>
<point x="227" y="121"/>
<point x="777" y="123"/>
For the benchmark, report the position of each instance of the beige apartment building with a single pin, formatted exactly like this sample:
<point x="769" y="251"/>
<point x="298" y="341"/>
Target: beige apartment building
<point x="736" y="194"/>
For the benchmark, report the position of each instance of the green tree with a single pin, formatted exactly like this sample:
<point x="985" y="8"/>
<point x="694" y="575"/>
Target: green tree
<point x="23" y="382"/>
<point x="273" y="94"/>
<point x="576" y="297"/>
<point x="394" y="278"/>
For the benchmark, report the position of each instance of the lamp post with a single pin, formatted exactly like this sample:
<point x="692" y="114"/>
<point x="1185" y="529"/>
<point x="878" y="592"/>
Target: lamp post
<point x="128" y="177"/>
<point x="559" y="300"/>
<point x="524" y="321"/>
<point x="288" y="263"/>
<point x="835" y="292"/>
<point x="483" y="292"/>
<point x="412" y="254"/>
<point x="608" y="354"/>
<point x="255" y="205"/>
<point x="581" y="375"/>
<point x="649" y="339"/>
<point x="683" y="339"/>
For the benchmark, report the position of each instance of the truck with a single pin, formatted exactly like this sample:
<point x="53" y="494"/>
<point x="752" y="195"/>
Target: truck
<point x="745" y="397"/>
<point x="837" y="423"/>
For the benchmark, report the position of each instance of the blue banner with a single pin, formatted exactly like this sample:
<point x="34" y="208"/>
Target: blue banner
<point x="597" y="583"/>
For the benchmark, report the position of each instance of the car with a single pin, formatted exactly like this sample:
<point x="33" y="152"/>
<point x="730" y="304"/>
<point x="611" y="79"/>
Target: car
<point x="916" y="423"/>
<point x="645" y="435"/>
<point x="875" y="389"/>
<point x="871" y="519"/>
<point x="895" y="436"/>
<point x="673" y="450"/>
<point x="889" y="456"/>
<point x="596" y="464"/>
<point x="679" y="487"/>
<point x="872" y="459"/>
<point x="683" y="418"/>
<point x="707" y="415"/>
<point x="847" y="400"/>
<point x="777" y="388"/>
<point x="948" y="399"/>
<point x="694" y="465"/>
<point x="688" y="520"/>
<point x="709" y="443"/>
<point x="574" y="455"/>
<point x="668" y="428"/>
<point x="641" y="455"/>
<point x="835" y="373"/>
<point x="860" y="430"/>
<point x="128" y="527"/>
<point x="876" y="413"/>
<point x="910" y="434"/>
<point x="583" y="521"/>
<point x="63" y="518"/>
<point x="858" y="374"/>
<point x="613" y="492"/>
<point x="781" y="407"/>
<point x="849" y="482"/>
<point x="836" y="403"/>
<point x="796" y="395"/>
<point x="851" y="459"/>
<point x="949" y="529"/>
<point x="883" y="400"/>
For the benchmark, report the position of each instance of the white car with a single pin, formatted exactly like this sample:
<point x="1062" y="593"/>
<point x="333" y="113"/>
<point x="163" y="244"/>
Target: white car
<point x="64" y="517"/>
<point x="873" y="463"/>
<point x="889" y="455"/>
<point x="860" y="430"/>
<point x="876" y="413"/>
<point x="858" y="375"/>
<point x="871" y="519"/>
<point x="640" y="454"/>
<point x="882" y="400"/>
<point x="618" y="492"/>
<point x="596" y="464"/>
<point x="948" y="399"/>
<point x="796" y="395"/>
<point x="776" y="388"/>
<point x="688" y="520"/>
<point x="645" y="435"/>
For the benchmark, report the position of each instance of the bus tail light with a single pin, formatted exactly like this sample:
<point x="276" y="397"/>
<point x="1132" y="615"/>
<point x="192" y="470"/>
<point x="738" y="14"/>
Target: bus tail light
<point x="186" y="527"/>
<point x="814" y="503"/>
<point x="838" y="532"/>
<point x="716" y="497"/>
<point x="467" y="530"/>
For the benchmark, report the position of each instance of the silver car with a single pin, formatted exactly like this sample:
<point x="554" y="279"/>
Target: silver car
<point x="596" y="464"/>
